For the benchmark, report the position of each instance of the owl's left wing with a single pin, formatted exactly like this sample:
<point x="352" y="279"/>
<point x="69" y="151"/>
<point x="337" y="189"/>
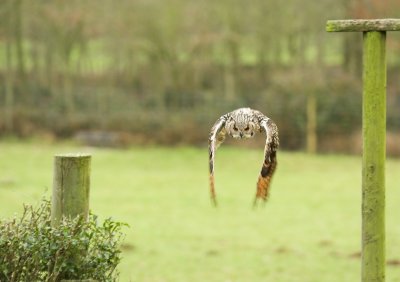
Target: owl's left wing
<point x="270" y="161"/>
<point x="216" y="137"/>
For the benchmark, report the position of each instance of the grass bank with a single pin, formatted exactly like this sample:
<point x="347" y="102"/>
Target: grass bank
<point x="308" y="231"/>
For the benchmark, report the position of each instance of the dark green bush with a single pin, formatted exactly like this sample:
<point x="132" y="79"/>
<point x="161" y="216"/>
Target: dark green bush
<point x="32" y="250"/>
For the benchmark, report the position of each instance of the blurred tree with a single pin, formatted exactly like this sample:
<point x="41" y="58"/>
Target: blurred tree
<point x="17" y="17"/>
<point x="11" y="23"/>
<point x="230" y="16"/>
<point x="352" y="45"/>
<point x="60" y="29"/>
<point x="366" y="9"/>
<point x="113" y="64"/>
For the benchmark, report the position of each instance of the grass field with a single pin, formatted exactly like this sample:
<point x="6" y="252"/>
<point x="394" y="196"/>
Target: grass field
<point x="308" y="231"/>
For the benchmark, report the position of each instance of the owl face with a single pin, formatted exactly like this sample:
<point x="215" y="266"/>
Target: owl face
<point x="241" y="129"/>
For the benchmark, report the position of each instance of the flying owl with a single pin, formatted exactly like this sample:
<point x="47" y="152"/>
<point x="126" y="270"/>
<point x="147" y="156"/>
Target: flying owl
<point x="244" y="123"/>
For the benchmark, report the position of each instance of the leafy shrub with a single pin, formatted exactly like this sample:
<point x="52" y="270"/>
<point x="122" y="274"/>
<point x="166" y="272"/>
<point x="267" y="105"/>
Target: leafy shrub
<point x="32" y="250"/>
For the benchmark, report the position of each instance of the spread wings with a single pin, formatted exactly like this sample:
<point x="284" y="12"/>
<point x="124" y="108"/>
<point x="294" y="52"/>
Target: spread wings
<point x="217" y="136"/>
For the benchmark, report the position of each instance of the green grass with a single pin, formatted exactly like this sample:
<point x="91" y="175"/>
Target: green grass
<point x="308" y="231"/>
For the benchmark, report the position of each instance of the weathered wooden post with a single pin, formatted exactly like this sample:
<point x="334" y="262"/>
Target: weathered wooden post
<point x="71" y="185"/>
<point x="374" y="140"/>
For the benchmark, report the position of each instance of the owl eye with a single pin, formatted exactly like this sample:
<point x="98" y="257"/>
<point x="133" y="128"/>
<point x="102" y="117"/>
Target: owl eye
<point x="247" y="128"/>
<point x="235" y="128"/>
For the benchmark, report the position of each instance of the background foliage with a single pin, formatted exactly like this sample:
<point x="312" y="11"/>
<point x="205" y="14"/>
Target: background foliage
<point x="162" y="72"/>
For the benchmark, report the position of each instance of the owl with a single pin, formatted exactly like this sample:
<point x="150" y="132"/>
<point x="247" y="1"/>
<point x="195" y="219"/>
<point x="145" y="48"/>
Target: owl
<point x="244" y="123"/>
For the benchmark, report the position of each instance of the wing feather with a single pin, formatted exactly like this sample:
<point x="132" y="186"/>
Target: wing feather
<point x="270" y="161"/>
<point x="216" y="137"/>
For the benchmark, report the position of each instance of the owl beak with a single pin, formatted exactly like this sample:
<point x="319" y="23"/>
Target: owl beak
<point x="241" y="135"/>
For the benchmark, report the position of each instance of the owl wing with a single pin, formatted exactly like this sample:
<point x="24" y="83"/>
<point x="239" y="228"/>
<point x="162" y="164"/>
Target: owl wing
<point x="270" y="161"/>
<point x="216" y="137"/>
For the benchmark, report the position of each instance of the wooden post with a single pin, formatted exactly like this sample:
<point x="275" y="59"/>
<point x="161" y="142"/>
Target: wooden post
<point x="71" y="185"/>
<point x="374" y="153"/>
<point x="374" y="140"/>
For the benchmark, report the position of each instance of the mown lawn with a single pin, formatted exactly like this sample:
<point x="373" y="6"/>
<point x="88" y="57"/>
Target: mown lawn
<point x="309" y="230"/>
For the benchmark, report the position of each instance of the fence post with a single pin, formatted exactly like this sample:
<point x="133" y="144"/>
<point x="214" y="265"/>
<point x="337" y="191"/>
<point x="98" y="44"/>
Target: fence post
<point x="374" y="152"/>
<point x="71" y="186"/>
<point x="374" y="140"/>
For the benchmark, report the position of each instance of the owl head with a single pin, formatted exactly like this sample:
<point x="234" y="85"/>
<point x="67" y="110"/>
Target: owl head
<point x="241" y="128"/>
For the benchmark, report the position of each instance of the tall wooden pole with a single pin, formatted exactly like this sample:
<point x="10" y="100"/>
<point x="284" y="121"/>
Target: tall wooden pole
<point x="374" y="153"/>
<point x="374" y="140"/>
<point x="71" y="185"/>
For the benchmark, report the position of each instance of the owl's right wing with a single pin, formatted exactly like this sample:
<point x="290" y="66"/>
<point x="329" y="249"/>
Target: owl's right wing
<point x="216" y="137"/>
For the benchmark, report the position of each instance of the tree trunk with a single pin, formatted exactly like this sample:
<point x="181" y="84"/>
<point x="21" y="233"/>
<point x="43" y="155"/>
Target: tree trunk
<point x="352" y="61"/>
<point x="231" y="70"/>
<point x="229" y="84"/>
<point x="18" y="34"/>
<point x="9" y="76"/>
<point x="311" y="123"/>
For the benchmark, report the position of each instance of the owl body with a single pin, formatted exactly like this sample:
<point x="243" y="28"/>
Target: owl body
<point x="244" y="123"/>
